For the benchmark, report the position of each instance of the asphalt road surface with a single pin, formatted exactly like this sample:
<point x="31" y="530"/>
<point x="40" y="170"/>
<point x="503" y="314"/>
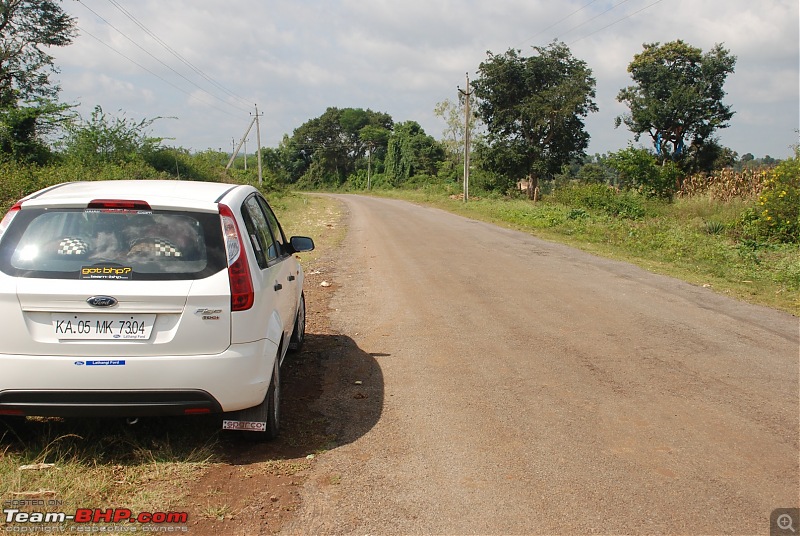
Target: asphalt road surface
<point x="501" y="384"/>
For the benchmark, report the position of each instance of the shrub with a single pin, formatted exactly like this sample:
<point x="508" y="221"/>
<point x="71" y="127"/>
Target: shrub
<point x="638" y="169"/>
<point x="601" y="197"/>
<point x="779" y="202"/>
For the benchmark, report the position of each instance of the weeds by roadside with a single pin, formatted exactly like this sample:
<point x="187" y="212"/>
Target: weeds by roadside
<point x="101" y="463"/>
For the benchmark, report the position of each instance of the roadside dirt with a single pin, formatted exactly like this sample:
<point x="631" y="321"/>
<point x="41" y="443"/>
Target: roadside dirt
<point x="254" y="490"/>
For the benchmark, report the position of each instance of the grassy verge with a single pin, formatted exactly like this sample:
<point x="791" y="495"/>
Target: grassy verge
<point x="697" y="240"/>
<point x="57" y="465"/>
<point x="309" y="215"/>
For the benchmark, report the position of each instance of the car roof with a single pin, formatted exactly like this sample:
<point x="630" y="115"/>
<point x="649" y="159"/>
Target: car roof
<point x="162" y="194"/>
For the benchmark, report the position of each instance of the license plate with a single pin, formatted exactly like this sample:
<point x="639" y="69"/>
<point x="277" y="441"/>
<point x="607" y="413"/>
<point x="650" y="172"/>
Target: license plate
<point x="103" y="327"/>
<point x="248" y="426"/>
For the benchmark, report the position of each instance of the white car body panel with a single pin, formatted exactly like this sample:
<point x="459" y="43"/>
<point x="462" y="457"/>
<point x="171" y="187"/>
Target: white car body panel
<point x="197" y="344"/>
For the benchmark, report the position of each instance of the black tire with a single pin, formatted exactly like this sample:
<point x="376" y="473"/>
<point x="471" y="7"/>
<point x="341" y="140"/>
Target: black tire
<point x="299" y="333"/>
<point x="272" y="403"/>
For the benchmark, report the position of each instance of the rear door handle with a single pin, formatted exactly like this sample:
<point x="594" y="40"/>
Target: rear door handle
<point x="277" y="286"/>
<point x="291" y="278"/>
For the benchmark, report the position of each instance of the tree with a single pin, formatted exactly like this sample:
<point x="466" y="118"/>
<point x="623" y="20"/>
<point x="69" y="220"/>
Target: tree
<point x="677" y="98"/>
<point x="329" y="148"/>
<point x="28" y="110"/>
<point x="25" y="27"/>
<point x="110" y="140"/>
<point x="411" y="152"/>
<point x="376" y="140"/>
<point x="533" y="108"/>
<point x="454" y="133"/>
<point x="22" y="130"/>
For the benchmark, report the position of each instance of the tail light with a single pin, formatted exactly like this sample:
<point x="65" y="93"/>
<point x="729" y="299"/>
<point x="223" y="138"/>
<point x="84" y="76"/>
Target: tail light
<point x="119" y="204"/>
<point x="242" y="296"/>
<point x="8" y="217"/>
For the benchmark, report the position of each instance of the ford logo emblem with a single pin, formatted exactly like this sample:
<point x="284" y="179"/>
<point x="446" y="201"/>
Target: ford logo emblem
<point x="102" y="301"/>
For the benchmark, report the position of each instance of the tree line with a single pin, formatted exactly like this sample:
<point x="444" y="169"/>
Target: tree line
<point x="528" y="122"/>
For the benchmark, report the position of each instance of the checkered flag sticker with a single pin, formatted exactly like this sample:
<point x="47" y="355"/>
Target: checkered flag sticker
<point x="73" y="246"/>
<point x="165" y="248"/>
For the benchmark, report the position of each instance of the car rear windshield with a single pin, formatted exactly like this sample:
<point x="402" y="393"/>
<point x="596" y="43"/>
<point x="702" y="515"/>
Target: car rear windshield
<point x="112" y="244"/>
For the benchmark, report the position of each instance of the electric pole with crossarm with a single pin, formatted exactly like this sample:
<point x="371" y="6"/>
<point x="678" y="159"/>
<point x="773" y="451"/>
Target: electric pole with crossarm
<point x="467" y="94"/>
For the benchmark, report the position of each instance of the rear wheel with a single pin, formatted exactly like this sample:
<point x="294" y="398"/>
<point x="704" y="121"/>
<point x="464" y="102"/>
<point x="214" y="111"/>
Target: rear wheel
<point x="272" y="404"/>
<point x="299" y="333"/>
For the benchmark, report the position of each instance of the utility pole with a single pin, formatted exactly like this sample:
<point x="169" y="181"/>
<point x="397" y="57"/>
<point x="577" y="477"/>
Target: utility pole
<point x="244" y="140"/>
<point x="258" y="142"/>
<point x="245" y="155"/>
<point x="467" y="94"/>
<point x="369" y="165"/>
<point x="236" y="149"/>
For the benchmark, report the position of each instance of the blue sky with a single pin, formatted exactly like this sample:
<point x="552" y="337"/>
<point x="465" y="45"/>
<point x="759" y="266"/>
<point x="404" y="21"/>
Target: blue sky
<point x="295" y="59"/>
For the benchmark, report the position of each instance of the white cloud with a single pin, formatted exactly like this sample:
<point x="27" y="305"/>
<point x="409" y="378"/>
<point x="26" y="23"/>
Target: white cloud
<point x="297" y="58"/>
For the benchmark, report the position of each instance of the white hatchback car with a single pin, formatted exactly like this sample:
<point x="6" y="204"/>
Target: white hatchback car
<point x="143" y="298"/>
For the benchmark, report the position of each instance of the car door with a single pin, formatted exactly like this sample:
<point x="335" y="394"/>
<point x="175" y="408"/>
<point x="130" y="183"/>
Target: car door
<point x="273" y="270"/>
<point x="291" y="268"/>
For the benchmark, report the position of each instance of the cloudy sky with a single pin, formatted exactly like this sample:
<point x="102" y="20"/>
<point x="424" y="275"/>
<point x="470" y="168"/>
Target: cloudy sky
<point x="204" y="64"/>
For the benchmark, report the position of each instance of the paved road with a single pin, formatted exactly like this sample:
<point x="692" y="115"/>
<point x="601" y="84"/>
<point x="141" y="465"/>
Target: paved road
<point x="515" y="386"/>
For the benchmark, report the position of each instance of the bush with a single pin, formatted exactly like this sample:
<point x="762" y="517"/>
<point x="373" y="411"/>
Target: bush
<point x="779" y="202"/>
<point x="600" y="197"/>
<point x="638" y="169"/>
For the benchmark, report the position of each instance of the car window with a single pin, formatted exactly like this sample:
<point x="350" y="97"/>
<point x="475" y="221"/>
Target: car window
<point x="260" y="234"/>
<point x="277" y="232"/>
<point x="79" y="243"/>
<point x="255" y="238"/>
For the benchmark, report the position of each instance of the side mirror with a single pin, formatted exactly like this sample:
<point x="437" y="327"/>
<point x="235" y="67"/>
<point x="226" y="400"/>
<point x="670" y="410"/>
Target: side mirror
<point x="301" y="243"/>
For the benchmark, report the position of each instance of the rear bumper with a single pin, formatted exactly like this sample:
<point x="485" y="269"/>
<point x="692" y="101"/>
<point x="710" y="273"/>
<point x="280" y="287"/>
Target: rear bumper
<point x="107" y="403"/>
<point x="136" y="386"/>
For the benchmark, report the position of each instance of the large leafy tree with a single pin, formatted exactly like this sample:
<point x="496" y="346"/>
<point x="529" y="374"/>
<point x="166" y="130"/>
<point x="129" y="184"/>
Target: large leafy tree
<point x="27" y="95"/>
<point x="411" y="152"/>
<point x="533" y="108"/>
<point x="329" y="148"/>
<point x="27" y="27"/>
<point x="676" y="99"/>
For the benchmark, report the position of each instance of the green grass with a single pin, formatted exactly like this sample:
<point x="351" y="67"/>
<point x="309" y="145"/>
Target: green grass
<point x="102" y="463"/>
<point x="309" y="215"/>
<point x="698" y="240"/>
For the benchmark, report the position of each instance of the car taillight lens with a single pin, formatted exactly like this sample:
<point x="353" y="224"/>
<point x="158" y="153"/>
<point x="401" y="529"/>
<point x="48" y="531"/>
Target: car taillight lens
<point x="242" y="295"/>
<point x="8" y="217"/>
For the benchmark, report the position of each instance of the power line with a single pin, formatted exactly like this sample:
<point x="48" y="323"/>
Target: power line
<point x="557" y="23"/>
<point x="151" y="72"/>
<point x="615" y="22"/>
<point x="176" y="54"/>
<point x="158" y="60"/>
<point x="584" y="23"/>
<point x="593" y="18"/>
